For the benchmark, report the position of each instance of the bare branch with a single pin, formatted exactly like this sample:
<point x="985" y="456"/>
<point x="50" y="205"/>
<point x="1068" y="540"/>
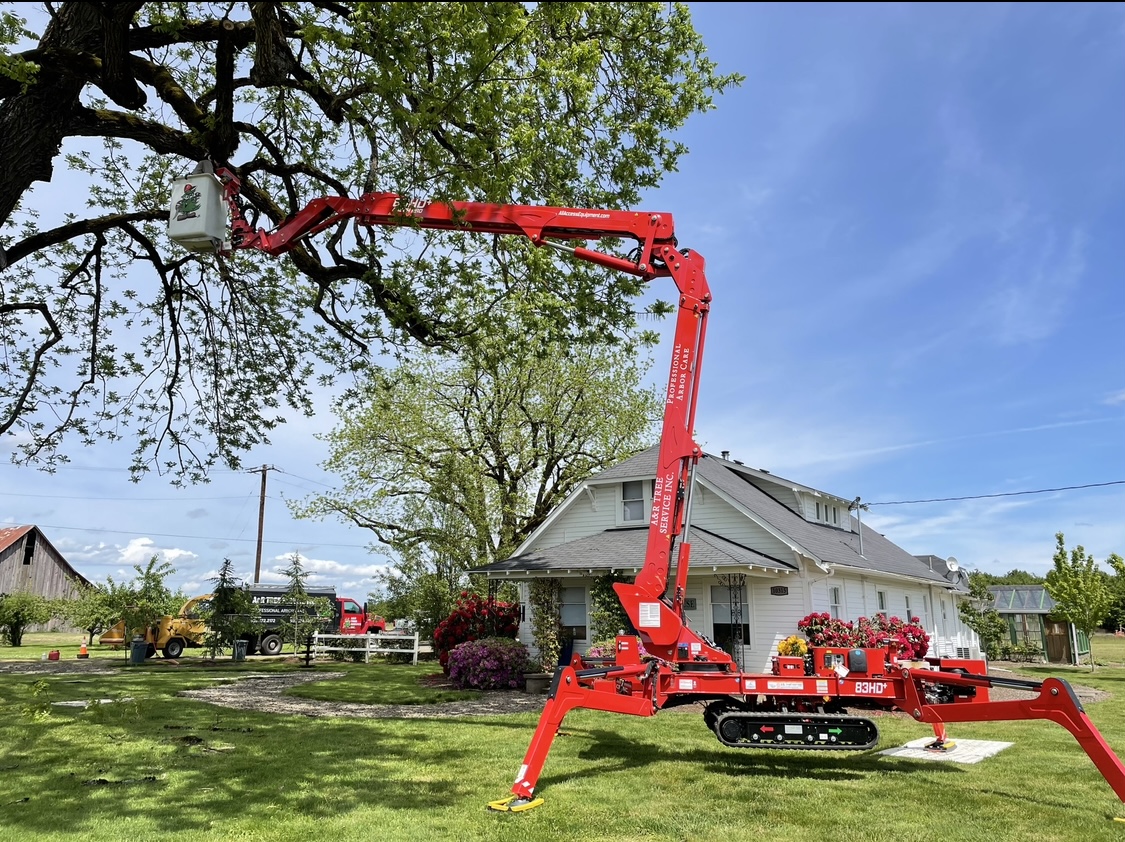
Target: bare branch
<point x="44" y="239"/>
<point x="35" y="369"/>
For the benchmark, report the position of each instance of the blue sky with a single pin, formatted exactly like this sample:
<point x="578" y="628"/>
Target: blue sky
<point x="913" y="222"/>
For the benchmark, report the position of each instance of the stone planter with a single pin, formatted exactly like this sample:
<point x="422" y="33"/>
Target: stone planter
<point x="537" y="682"/>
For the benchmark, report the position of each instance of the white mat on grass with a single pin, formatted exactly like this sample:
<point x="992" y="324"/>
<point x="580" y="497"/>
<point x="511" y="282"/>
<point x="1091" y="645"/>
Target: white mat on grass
<point x="963" y="751"/>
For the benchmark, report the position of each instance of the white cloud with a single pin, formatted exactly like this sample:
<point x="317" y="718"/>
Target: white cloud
<point x="140" y="550"/>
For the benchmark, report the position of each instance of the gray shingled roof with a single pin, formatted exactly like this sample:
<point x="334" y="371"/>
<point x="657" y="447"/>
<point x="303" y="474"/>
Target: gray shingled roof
<point x="624" y="549"/>
<point x="824" y="543"/>
<point x="1022" y="599"/>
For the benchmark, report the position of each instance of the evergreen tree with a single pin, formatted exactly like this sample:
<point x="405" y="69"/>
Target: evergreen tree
<point x="232" y="612"/>
<point x="304" y="614"/>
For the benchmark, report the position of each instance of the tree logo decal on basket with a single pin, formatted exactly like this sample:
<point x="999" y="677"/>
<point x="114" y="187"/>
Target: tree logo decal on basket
<point x="188" y="205"/>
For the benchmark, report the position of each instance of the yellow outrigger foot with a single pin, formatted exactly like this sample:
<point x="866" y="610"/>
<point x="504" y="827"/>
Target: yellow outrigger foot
<point x="1119" y="819"/>
<point x="940" y="746"/>
<point x="514" y="804"/>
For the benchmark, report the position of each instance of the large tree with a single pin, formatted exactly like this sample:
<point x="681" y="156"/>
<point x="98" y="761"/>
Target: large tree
<point x="1080" y="590"/>
<point x="452" y="463"/>
<point x="108" y="331"/>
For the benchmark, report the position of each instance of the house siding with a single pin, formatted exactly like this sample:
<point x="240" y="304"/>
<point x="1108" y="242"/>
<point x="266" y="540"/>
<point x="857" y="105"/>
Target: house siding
<point x="723" y="505"/>
<point x="583" y="517"/>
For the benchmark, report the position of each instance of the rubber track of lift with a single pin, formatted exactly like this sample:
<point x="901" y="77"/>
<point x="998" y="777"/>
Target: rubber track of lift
<point x="817" y="726"/>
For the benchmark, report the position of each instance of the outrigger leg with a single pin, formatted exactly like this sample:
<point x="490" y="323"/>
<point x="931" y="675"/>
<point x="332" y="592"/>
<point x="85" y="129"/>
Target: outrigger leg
<point x="566" y="694"/>
<point x="940" y="743"/>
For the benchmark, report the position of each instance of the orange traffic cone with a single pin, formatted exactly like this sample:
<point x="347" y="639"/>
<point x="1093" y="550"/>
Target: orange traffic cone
<point x="82" y="653"/>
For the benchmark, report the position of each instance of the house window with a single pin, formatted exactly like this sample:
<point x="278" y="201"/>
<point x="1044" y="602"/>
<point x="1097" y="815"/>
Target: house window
<point x="909" y="616"/>
<point x="881" y="598"/>
<point x="834" y="602"/>
<point x="722" y="618"/>
<point x="573" y="613"/>
<point x="633" y="501"/>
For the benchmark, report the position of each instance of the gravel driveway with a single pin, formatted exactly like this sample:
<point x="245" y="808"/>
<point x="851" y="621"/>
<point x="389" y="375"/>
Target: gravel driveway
<point x="265" y="692"/>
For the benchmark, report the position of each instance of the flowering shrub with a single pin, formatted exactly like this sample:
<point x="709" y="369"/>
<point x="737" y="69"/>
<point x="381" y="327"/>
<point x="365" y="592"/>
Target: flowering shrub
<point x="910" y="637"/>
<point x="825" y="630"/>
<point x="602" y="649"/>
<point x="608" y="649"/>
<point x="793" y="646"/>
<point x="906" y="639"/>
<point x="474" y="618"/>
<point x="494" y="663"/>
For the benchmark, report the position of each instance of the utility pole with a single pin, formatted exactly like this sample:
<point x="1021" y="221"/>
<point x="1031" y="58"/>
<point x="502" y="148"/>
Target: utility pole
<point x="261" y="518"/>
<point x="853" y="506"/>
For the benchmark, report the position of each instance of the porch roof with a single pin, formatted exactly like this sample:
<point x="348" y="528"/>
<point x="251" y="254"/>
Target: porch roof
<point x="624" y="550"/>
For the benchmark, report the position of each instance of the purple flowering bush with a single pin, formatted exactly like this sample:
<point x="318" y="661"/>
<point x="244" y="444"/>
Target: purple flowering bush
<point x="493" y="663"/>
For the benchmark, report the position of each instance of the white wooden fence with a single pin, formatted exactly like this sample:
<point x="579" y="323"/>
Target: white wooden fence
<point x="368" y="644"/>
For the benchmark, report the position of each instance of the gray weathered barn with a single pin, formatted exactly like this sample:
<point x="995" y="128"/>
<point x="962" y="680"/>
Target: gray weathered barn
<point x="29" y="562"/>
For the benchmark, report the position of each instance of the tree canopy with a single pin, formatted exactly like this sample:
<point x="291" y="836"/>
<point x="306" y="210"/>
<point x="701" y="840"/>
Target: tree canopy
<point x="1012" y="577"/>
<point x="453" y="462"/>
<point x="1079" y="588"/>
<point x="108" y="331"/>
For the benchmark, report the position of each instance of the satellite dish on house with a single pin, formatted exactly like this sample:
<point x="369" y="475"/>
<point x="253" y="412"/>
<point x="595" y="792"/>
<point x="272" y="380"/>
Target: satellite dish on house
<point x="952" y="564"/>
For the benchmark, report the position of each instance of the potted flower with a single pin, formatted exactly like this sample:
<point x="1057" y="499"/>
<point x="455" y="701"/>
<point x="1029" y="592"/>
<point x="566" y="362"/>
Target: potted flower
<point x="790" y="656"/>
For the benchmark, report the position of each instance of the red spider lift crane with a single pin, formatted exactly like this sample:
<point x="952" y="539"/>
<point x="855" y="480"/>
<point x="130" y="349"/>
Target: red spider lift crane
<point x="797" y="706"/>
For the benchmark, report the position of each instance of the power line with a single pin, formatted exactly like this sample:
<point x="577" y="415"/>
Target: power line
<point x="97" y="529"/>
<point x="306" y="479"/>
<point x="1004" y="494"/>
<point x="128" y="499"/>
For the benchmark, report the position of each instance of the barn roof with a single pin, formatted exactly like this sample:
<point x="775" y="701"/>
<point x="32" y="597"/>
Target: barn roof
<point x="11" y="535"/>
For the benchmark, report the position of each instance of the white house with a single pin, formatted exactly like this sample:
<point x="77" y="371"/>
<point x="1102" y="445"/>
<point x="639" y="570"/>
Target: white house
<point x="765" y="551"/>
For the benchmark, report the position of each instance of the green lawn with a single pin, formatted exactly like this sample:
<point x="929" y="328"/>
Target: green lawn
<point x="158" y="765"/>
<point x="1108" y="650"/>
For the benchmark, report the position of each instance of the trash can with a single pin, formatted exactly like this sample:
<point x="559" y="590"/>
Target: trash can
<point x="138" y="650"/>
<point x="239" y="653"/>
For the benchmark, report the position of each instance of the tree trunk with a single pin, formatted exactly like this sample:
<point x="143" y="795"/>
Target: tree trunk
<point x="34" y="124"/>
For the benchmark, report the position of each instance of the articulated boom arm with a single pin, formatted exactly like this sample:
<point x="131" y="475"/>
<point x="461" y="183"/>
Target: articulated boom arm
<point x="540" y="224"/>
<point x="658" y="619"/>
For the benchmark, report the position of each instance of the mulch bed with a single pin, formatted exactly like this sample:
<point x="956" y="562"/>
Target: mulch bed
<point x="438" y="681"/>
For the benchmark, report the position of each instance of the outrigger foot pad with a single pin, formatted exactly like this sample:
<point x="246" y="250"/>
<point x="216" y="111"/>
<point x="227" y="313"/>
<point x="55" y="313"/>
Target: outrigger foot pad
<point x="514" y="804"/>
<point x="940" y="745"/>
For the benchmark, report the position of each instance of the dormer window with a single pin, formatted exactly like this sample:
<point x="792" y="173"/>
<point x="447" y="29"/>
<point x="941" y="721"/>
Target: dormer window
<point x="636" y="502"/>
<point x="633" y="502"/>
<point x="828" y="513"/>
